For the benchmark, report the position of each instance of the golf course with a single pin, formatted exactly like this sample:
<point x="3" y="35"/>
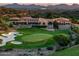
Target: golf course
<point x="35" y="38"/>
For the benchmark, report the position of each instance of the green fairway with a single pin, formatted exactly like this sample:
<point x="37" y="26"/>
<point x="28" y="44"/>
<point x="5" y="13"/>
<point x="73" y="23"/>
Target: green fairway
<point x="35" y="38"/>
<point x="74" y="51"/>
<point x="28" y="31"/>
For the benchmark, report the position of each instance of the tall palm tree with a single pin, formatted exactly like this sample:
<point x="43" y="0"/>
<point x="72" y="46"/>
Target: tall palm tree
<point x="3" y="23"/>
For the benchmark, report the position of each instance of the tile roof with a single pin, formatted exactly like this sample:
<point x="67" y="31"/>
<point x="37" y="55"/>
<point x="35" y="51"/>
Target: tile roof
<point x="62" y="20"/>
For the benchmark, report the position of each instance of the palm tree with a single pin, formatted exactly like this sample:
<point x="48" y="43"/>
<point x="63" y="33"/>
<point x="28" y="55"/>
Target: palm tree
<point x="4" y="23"/>
<point x="1" y="41"/>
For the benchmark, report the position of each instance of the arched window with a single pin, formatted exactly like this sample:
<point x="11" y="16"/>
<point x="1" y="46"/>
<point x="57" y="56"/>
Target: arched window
<point x="43" y="23"/>
<point x="50" y="23"/>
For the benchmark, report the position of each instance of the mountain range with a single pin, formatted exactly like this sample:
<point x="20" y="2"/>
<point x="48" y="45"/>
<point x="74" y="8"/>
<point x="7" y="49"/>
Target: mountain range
<point x="40" y="7"/>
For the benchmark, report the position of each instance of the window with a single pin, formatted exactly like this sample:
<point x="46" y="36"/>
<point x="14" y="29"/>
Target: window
<point x="43" y="23"/>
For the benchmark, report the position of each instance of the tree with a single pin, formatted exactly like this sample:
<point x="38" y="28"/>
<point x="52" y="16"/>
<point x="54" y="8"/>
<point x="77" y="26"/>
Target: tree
<point x="1" y="41"/>
<point x="62" y="39"/>
<point x="77" y="39"/>
<point x="55" y="25"/>
<point x="4" y="22"/>
<point x="48" y="15"/>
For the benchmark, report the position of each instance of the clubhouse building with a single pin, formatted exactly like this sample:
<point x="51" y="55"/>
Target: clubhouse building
<point x="28" y="22"/>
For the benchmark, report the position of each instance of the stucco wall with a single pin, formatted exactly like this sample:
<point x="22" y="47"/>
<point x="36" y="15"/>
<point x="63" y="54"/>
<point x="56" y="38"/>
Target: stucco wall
<point x="22" y="26"/>
<point x="66" y="26"/>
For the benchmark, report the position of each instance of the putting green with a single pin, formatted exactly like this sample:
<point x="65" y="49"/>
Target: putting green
<point x="36" y="37"/>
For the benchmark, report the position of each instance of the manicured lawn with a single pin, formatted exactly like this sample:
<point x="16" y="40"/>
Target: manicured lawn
<point x="68" y="52"/>
<point x="29" y="31"/>
<point x="35" y="38"/>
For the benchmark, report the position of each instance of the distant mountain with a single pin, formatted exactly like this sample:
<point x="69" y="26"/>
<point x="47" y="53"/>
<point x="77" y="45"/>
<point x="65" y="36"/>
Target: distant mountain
<point x="60" y="7"/>
<point x="64" y="6"/>
<point x="18" y="6"/>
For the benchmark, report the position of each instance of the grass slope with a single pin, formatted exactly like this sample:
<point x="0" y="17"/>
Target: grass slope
<point x="74" y="51"/>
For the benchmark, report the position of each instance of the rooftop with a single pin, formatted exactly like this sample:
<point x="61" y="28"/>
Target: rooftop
<point x="59" y="20"/>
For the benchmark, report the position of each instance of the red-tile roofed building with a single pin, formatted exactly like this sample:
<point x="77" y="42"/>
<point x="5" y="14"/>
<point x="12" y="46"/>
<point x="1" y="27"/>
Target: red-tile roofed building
<point x="57" y="23"/>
